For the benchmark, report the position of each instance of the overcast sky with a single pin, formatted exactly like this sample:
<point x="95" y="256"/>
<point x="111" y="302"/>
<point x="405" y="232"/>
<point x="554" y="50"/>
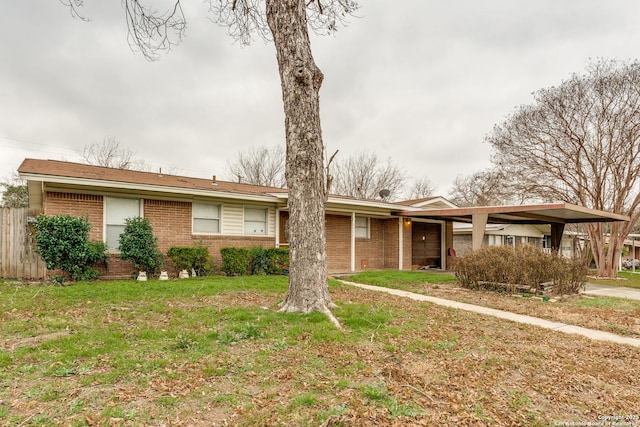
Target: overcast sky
<point x="419" y="81"/>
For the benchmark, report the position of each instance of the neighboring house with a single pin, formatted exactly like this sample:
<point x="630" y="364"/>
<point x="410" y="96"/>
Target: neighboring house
<point x="537" y="235"/>
<point x="500" y="235"/>
<point x="184" y="211"/>
<point x="632" y="245"/>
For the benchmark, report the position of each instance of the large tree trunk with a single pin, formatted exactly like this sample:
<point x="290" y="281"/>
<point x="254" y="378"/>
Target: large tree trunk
<point x="607" y="253"/>
<point x="301" y="79"/>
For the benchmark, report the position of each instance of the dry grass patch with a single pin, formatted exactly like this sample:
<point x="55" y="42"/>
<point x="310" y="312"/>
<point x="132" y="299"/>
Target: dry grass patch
<point x="206" y="354"/>
<point x="614" y="315"/>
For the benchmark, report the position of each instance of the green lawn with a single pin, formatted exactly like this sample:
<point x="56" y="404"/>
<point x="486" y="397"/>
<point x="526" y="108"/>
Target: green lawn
<point x="626" y="278"/>
<point x="399" y="279"/>
<point x="215" y="350"/>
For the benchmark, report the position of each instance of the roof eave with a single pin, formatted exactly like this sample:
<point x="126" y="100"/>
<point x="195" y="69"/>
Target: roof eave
<point x="145" y="187"/>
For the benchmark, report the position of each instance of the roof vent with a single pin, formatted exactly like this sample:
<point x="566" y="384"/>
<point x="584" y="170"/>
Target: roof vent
<point x="213" y="180"/>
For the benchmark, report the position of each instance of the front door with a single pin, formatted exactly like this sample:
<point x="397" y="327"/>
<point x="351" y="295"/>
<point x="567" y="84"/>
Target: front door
<point x="284" y="228"/>
<point x="426" y="245"/>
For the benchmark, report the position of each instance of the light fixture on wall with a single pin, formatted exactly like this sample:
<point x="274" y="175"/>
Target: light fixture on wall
<point x="407" y="220"/>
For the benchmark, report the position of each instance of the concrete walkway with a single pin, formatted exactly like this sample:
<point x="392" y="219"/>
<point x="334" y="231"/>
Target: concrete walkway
<point x="520" y="318"/>
<point x="612" y="291"/>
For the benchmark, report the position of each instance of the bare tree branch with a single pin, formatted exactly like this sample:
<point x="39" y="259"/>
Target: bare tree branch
<point x="73" y="6"/>
<point x="329" y="176"/>
<point x="246" y="18"/>
<point x="422" y="188"/>
<point x="363" y="176"/>
<point x="259" y="166"/>
<point x="153" y="32"/>
<point x="109" y="153"/>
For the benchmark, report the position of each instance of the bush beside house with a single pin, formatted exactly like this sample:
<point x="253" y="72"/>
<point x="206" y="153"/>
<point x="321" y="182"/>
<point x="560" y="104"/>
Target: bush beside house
<point x="138" y="244"/>
<point x="63" y="243"/>
<point x="196" y="258"/>
<point x="257" y="260"/>
<point x="523" y="267"/>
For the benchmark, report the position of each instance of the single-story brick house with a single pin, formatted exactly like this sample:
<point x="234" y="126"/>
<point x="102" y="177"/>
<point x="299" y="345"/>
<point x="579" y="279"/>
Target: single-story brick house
<point x="361" y="234"/>
<point x="184" y="211"/>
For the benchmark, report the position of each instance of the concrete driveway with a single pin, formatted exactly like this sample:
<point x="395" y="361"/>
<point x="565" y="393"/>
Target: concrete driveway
<point x="612" y="291"/>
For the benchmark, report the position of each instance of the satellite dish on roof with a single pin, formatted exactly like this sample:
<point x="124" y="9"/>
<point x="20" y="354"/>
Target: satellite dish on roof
<point x="384" y="193"/>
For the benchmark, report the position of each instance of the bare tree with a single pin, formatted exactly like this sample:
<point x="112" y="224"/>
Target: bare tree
<point x="109" y="153"/>
<point x="422" y="188"/>
<point x="259" y="166"/>
<point x="483" y="188"/>
<point x="362" y="176"/>
<point x="287" y="23"/>
<point x="580" y="142"/>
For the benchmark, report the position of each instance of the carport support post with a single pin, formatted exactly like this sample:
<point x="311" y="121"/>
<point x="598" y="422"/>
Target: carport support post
<point x="479" y="224"/>
<point x="556" y="237"/>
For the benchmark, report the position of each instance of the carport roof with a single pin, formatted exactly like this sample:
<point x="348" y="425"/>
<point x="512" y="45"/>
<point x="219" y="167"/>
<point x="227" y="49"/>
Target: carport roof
<point x="552" y="213"/>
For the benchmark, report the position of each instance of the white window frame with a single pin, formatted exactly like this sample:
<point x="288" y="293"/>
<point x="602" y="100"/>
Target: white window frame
<point x="362" y="227"/>
<point x="199" y="213"/>
<point x="495" y="239"/>
<point x="254" y="226"/>
<point x="116" y="219"/>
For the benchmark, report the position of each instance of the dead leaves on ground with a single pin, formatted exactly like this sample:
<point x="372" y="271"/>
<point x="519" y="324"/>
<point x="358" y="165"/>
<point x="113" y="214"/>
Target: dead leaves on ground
<point x="425" y="365"/>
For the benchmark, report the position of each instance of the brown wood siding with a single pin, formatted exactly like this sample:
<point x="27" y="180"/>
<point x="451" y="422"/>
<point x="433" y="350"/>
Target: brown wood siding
<point x="426" y="242"/>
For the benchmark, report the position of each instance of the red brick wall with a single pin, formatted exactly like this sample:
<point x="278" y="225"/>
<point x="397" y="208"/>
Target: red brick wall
<point x="392" y="243"/>
<point x="80" y="205"/>
<point x="338" y="243"/>
<point x="379" y="251"/>
<point x="171" y="222"/>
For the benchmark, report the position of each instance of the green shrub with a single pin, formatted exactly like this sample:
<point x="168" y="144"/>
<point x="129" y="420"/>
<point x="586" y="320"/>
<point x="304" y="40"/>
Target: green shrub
<point x="138" y="244"/>
<point x="191" y="257"/>
<point x="503" y="267"/>
<point x="63" y="242"/>
<point x="278" y="260"/>
<point x="235" y="261"/>
<point x="257" y="260"/>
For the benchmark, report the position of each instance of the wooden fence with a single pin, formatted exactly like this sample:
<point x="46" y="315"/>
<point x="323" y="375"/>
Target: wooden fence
<point x="18" y="258"/>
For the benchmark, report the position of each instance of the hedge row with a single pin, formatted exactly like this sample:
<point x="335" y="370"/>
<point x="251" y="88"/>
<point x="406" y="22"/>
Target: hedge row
<point x="63" y="242"/>
<point x="256" y="260"/>
<point x="503" y="267"/>
<point x="189" y="258"/>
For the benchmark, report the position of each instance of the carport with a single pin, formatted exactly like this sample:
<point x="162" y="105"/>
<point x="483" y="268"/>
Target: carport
<point x="554" y="214"/>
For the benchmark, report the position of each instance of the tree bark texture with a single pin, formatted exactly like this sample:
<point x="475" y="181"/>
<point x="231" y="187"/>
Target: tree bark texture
<point x="301" y="80"/>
